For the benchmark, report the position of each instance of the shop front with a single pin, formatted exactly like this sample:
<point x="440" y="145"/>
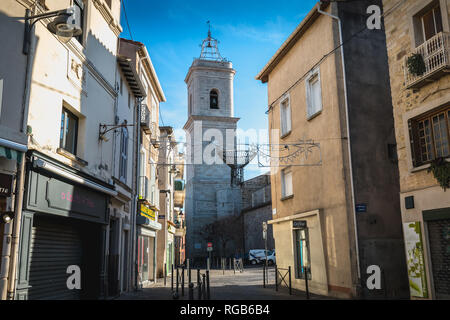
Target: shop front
<point x="64" y="223"/>
<point x="146" y="244"/>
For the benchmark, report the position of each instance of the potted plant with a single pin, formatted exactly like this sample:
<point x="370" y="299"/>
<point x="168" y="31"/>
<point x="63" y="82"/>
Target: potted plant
<point x="441" y="171"/>
<point x="416" y="64"/>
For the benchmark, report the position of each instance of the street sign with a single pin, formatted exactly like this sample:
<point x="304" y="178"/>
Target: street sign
<point x="299" y="224"/>
<point x="209" y="244"/>
<point x="361" y="208"/>
<point x="209" y="249"/>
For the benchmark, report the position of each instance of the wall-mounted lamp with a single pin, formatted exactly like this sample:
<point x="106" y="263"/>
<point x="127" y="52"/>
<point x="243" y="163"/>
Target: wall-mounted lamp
<point x="65" y="25"/>
<point x="7" y="216"/>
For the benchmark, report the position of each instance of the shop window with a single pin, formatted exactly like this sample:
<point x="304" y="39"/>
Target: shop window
<point x="430" y="136"/>
<point x="286" y="180"/>
<point x="302" y="258"/>
<point x="313" y="95"/>
<point x="69" y="131"/>
<point x="285" y="114"/>
<point x="214" y="99"/>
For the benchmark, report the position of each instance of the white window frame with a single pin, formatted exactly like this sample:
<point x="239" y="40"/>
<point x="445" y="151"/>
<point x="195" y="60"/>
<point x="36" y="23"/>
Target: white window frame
<point x="309" y="112"/>
<point x="283" y="182"/>
<point x="285" y="116"/>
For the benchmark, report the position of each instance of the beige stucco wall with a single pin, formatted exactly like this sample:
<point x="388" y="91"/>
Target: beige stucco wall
<point x="408" y="104"/>
<point x="322" y="187"/>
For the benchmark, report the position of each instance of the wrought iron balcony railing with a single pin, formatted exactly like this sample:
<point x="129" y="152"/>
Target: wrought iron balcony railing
<point x="436" y="55"/>
<point x="145" y="119"/>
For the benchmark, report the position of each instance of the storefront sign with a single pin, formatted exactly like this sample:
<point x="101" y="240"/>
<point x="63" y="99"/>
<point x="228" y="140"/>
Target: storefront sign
<point x="361" y="208"/>
<point x="5" y="185"/>
<point x="299" y="224"/>
<point x="415" y="259"/>
<point x="148" y="213"/>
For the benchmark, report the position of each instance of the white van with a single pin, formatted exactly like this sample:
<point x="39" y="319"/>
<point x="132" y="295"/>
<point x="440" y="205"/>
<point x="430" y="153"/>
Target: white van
<point x="259" y="255"/>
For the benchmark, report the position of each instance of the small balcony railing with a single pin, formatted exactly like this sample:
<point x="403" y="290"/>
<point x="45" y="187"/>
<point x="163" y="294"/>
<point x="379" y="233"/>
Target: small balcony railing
<point x="435" y="53"/>
<point x="145" y="119"/>
<point x="144" y="189"/>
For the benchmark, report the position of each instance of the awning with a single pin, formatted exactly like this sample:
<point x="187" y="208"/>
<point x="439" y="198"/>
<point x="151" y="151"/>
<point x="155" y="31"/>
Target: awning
<point x="10" y="154"/>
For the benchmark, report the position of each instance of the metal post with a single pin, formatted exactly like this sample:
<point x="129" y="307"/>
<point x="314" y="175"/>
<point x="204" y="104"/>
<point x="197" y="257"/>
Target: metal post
<point x="178" y="277"/>
<point x="290" y="283"/>
<point x="172" y="278"/>
<point x="208" y="292"/>
<point x="204" y="287"/>
<point x="223" y="266"/>
<point x="264" y="276"/>
<point x="276" y="278"/>
<point x="234" y="265"/>
<point x="199" y="285"/>
<point x="208" y="262"/>
<point x="191" y="291"/>
<point x="165" y="273"/>
<point x="306" y="283"/>
<point x="189" y="272"/>
<point x="182" y="281"/>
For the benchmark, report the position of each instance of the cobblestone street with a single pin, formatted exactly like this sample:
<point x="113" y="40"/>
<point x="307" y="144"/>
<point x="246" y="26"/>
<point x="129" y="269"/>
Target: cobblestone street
<point x="229" y="286"/>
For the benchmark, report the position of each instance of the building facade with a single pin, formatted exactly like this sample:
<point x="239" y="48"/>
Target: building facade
<point x="210" y="127"/>
<point x="147" y="143"/>
<point x="179" y="216"/>
<point x="421" y="30"/>
<point x="333" y="220"/>
<point x="166" y="174"/>
<point x="257" y="209"/>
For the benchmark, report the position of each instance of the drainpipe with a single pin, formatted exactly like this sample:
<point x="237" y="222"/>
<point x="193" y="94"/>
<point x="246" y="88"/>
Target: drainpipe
<point x="348" y="134"/>
<point x="138" y="170"/>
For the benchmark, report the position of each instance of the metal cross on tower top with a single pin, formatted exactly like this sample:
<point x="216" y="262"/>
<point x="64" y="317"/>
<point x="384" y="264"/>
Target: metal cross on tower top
<point x="210" y="49"/>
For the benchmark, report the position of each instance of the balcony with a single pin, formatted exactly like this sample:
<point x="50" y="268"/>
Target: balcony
<point x="435" y="53"/>
<point x="144" y="194"/>
<point x="145" y="119"/>
<point x="180" y="230"/>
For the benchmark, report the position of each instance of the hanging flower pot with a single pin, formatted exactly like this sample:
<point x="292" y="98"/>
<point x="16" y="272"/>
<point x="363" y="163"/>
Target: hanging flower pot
<point x="416" y="64"/>
<point x="441" y="171"/>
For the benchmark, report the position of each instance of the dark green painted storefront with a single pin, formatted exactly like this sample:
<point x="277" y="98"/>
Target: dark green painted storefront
<point x="63" y="224"/>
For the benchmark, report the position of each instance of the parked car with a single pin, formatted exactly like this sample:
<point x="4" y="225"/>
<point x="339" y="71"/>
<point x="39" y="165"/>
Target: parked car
<point x="259" y="255"/>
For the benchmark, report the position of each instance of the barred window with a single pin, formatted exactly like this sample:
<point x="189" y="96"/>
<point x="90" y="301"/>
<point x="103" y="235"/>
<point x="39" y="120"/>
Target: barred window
<point x="430" y="136"/>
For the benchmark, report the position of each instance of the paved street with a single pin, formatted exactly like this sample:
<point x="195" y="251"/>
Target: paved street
<point x="240" y="286"/>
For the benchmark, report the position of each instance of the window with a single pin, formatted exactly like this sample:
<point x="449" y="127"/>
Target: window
<point x="286" y="181"/>
<point x="302" y="259"/>
<point x="69" y="131"/>
<point x="313" y="95"/>
<point x="214" y="99"/>
<point x="431" y="23"/>
<point x="285" y="114"/>
<point x="430" y="136"/>
<point x="79" y="5"/>
<point x="123" y="154"/>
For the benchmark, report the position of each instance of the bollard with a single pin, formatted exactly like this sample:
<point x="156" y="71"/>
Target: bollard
<point x="172" y="278"/>
<point x="264" y="276"/>
<point x="306" y="284"/>
<point x="182" y="281"/>
<point x="178" y="277"/>
<point x="276" y="278"/>
<point x="223" y="266"/>
<point x="191" y="291"/>
<point x="234" y="265"/>
<point x="204" y="287"/>
<point x="290" y="283"/>
<point x="189" y="273"/>
<point x="199" y="285"/>
<point x="208" y="292"/>
<point x="165" y="273"/>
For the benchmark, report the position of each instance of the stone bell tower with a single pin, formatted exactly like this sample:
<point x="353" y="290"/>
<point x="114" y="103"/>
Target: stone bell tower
<point x="210" y="125"/>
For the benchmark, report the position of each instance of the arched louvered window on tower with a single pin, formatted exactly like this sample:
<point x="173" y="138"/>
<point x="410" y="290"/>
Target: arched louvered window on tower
<point x="214" y="99"/>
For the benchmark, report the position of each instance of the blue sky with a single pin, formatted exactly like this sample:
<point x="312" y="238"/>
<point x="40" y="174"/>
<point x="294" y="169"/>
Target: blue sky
<point x="249" y="32"/>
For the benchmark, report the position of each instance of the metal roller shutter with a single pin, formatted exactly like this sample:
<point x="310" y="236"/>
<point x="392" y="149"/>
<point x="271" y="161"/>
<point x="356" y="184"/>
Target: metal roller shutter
<point x="439" y="239"/>
<point x="54" y="247"/>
